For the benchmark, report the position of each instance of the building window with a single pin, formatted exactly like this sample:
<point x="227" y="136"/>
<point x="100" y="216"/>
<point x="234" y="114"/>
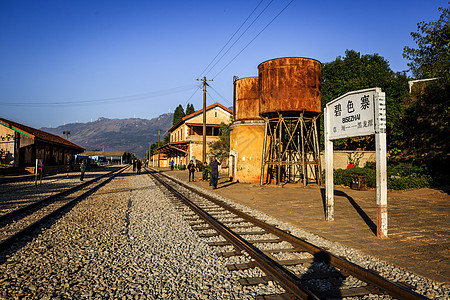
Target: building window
<point x="215" y="114"/>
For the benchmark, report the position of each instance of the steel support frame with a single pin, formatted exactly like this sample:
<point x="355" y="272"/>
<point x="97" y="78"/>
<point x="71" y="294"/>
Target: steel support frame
<point x="291" y="146"/>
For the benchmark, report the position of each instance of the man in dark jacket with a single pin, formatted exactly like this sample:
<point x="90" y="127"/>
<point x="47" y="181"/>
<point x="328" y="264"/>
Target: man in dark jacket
<point x="191" y="168"/>
<point x="139" y="166"/>
<point x="214" y="172"/>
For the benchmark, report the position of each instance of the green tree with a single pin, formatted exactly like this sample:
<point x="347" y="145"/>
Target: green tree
<point x="354" y="72"/>
<point x="432" y="56"/>
<point x="154" y="146"/>
<point x="166" y="139"/>
<point x="428" y="113"/>
<point x="189" y="109"/>
<point x="221" y="147"/>
<point x="178" y="114"/>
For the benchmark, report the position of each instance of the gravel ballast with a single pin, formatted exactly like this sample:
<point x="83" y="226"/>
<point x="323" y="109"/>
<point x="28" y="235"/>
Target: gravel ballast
<point x="129" y="241"/>
<point x="126" y="240"/>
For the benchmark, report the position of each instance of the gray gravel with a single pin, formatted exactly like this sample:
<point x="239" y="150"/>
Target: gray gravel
<point x="16" y="194"/>
<point x="126" y="241"/>
<point x="421" y="285"/>
<point x="129" y="241"/>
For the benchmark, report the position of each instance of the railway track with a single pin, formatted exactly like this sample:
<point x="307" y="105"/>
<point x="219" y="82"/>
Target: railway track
<point x="303" y="270"/>
<point x="20" y="222"/>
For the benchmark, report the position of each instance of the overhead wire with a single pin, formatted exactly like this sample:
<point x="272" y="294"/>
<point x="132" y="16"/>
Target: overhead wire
<point x="253" y="39"/>
<point x="172" y="90"/>
<point x="226" y="100"/>
<point x="104" y="100"/>
<point x="209" y="95"/>
<point x="196" y="90"/>
<point x="248" y="27"/>
<point x="245" y="21"/>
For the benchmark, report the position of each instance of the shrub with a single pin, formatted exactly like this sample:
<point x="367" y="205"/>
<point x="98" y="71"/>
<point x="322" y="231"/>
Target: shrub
<point x="413" y="181"/>
<point x="400" y="177"/>
<point x="344" y="177"/>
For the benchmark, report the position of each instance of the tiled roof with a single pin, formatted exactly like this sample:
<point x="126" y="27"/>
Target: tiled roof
<point x="103" y="153"/>
<point x="198" y="112"/>
<point x="162" y="156"/>
<point x="37" y="134"/>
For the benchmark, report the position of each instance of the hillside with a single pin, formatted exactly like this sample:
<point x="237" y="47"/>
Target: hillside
<point x="129" y="135"/>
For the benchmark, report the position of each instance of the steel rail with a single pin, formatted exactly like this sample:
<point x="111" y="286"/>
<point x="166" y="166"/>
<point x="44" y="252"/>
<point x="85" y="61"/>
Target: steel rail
<point x="20" y="210"/>
<point x="365" y="275"/>
<point x="290" y="282"/>
<point x="8" y="242"/>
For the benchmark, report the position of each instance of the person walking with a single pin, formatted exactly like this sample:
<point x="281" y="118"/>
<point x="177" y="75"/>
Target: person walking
<point x="205" y="171"/>
<point x="82" y="169"/>
<point x="214" y="172"/>
<point x="139" y="166"/>
<point x="191" y="168"/>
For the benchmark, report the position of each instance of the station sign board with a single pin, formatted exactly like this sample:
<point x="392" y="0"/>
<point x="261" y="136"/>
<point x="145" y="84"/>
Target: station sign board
<point x="357" y="113"/>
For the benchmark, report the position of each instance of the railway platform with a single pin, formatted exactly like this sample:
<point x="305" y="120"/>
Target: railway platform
<point x="418" y="220"/>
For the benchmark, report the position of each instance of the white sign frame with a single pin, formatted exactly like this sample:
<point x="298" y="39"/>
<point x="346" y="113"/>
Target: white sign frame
<point x="371" y="105"/>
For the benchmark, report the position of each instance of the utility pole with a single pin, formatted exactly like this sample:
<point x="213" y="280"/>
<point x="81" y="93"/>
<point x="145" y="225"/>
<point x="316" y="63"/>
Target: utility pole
<point x="204" y="116"/>
<point x="159" y="138"/>
<point x="149" y="153"/>
<point x="66" y="132"/>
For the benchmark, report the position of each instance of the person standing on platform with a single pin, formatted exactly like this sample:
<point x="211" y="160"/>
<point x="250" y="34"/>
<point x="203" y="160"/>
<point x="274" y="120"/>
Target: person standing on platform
<point x="82" y="169"/>
<point x="191" y="168"/>
<point x="134" y="165"/>
<point x="171" y="165"/>
<point x="138" y="166"/>
<point x="205" y="171"/>
<point x="214" y="172"/>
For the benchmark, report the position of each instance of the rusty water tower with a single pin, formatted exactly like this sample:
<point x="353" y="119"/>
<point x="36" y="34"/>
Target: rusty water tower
<point x="290" y="104"/>
<point x="247" y="132"/>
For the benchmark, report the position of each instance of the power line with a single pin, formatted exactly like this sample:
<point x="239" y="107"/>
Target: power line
<point x="105" y="100"/>
<point x="187" y="101"/>
<point x="226" y="100"/>
<point x="248" y="27"/>
<point x="253" y="39"/>
<point x="231" y="38"/>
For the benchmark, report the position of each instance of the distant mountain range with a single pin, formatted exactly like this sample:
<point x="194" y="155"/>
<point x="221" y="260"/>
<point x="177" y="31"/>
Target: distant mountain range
<point x="129" y="135"/>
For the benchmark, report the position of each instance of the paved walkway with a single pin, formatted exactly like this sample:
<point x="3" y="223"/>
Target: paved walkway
<point x="418" y="220"/>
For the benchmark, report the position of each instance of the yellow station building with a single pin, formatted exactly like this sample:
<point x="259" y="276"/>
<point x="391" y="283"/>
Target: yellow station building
<point x="186" y="137"/>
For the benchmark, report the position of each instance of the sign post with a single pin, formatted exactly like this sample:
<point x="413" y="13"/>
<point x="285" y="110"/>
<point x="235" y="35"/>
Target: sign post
<point x="358" y="113"/>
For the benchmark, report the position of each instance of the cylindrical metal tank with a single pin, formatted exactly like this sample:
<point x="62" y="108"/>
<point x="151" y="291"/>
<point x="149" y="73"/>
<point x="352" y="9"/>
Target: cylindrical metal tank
<point x="289" y="84"/>
<point x="247" y="99"/>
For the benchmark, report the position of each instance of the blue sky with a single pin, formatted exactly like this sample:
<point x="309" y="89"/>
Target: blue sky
<point x="75" y="61"/>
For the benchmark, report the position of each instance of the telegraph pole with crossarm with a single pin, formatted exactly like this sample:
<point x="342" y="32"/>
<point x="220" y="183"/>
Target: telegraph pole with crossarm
<point x="204" y="82"/>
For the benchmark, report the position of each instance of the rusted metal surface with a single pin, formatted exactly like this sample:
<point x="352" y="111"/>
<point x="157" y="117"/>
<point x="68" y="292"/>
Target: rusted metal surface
<point x="247" y="99"/>
<point x="289" y="84"/>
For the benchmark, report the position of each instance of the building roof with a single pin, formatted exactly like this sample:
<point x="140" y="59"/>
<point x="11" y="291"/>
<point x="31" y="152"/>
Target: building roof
<point x="198" y="112"/>
<point x="40" y="135"/>
<point x="162" y="156"/>
<point x="103" y="153"/>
